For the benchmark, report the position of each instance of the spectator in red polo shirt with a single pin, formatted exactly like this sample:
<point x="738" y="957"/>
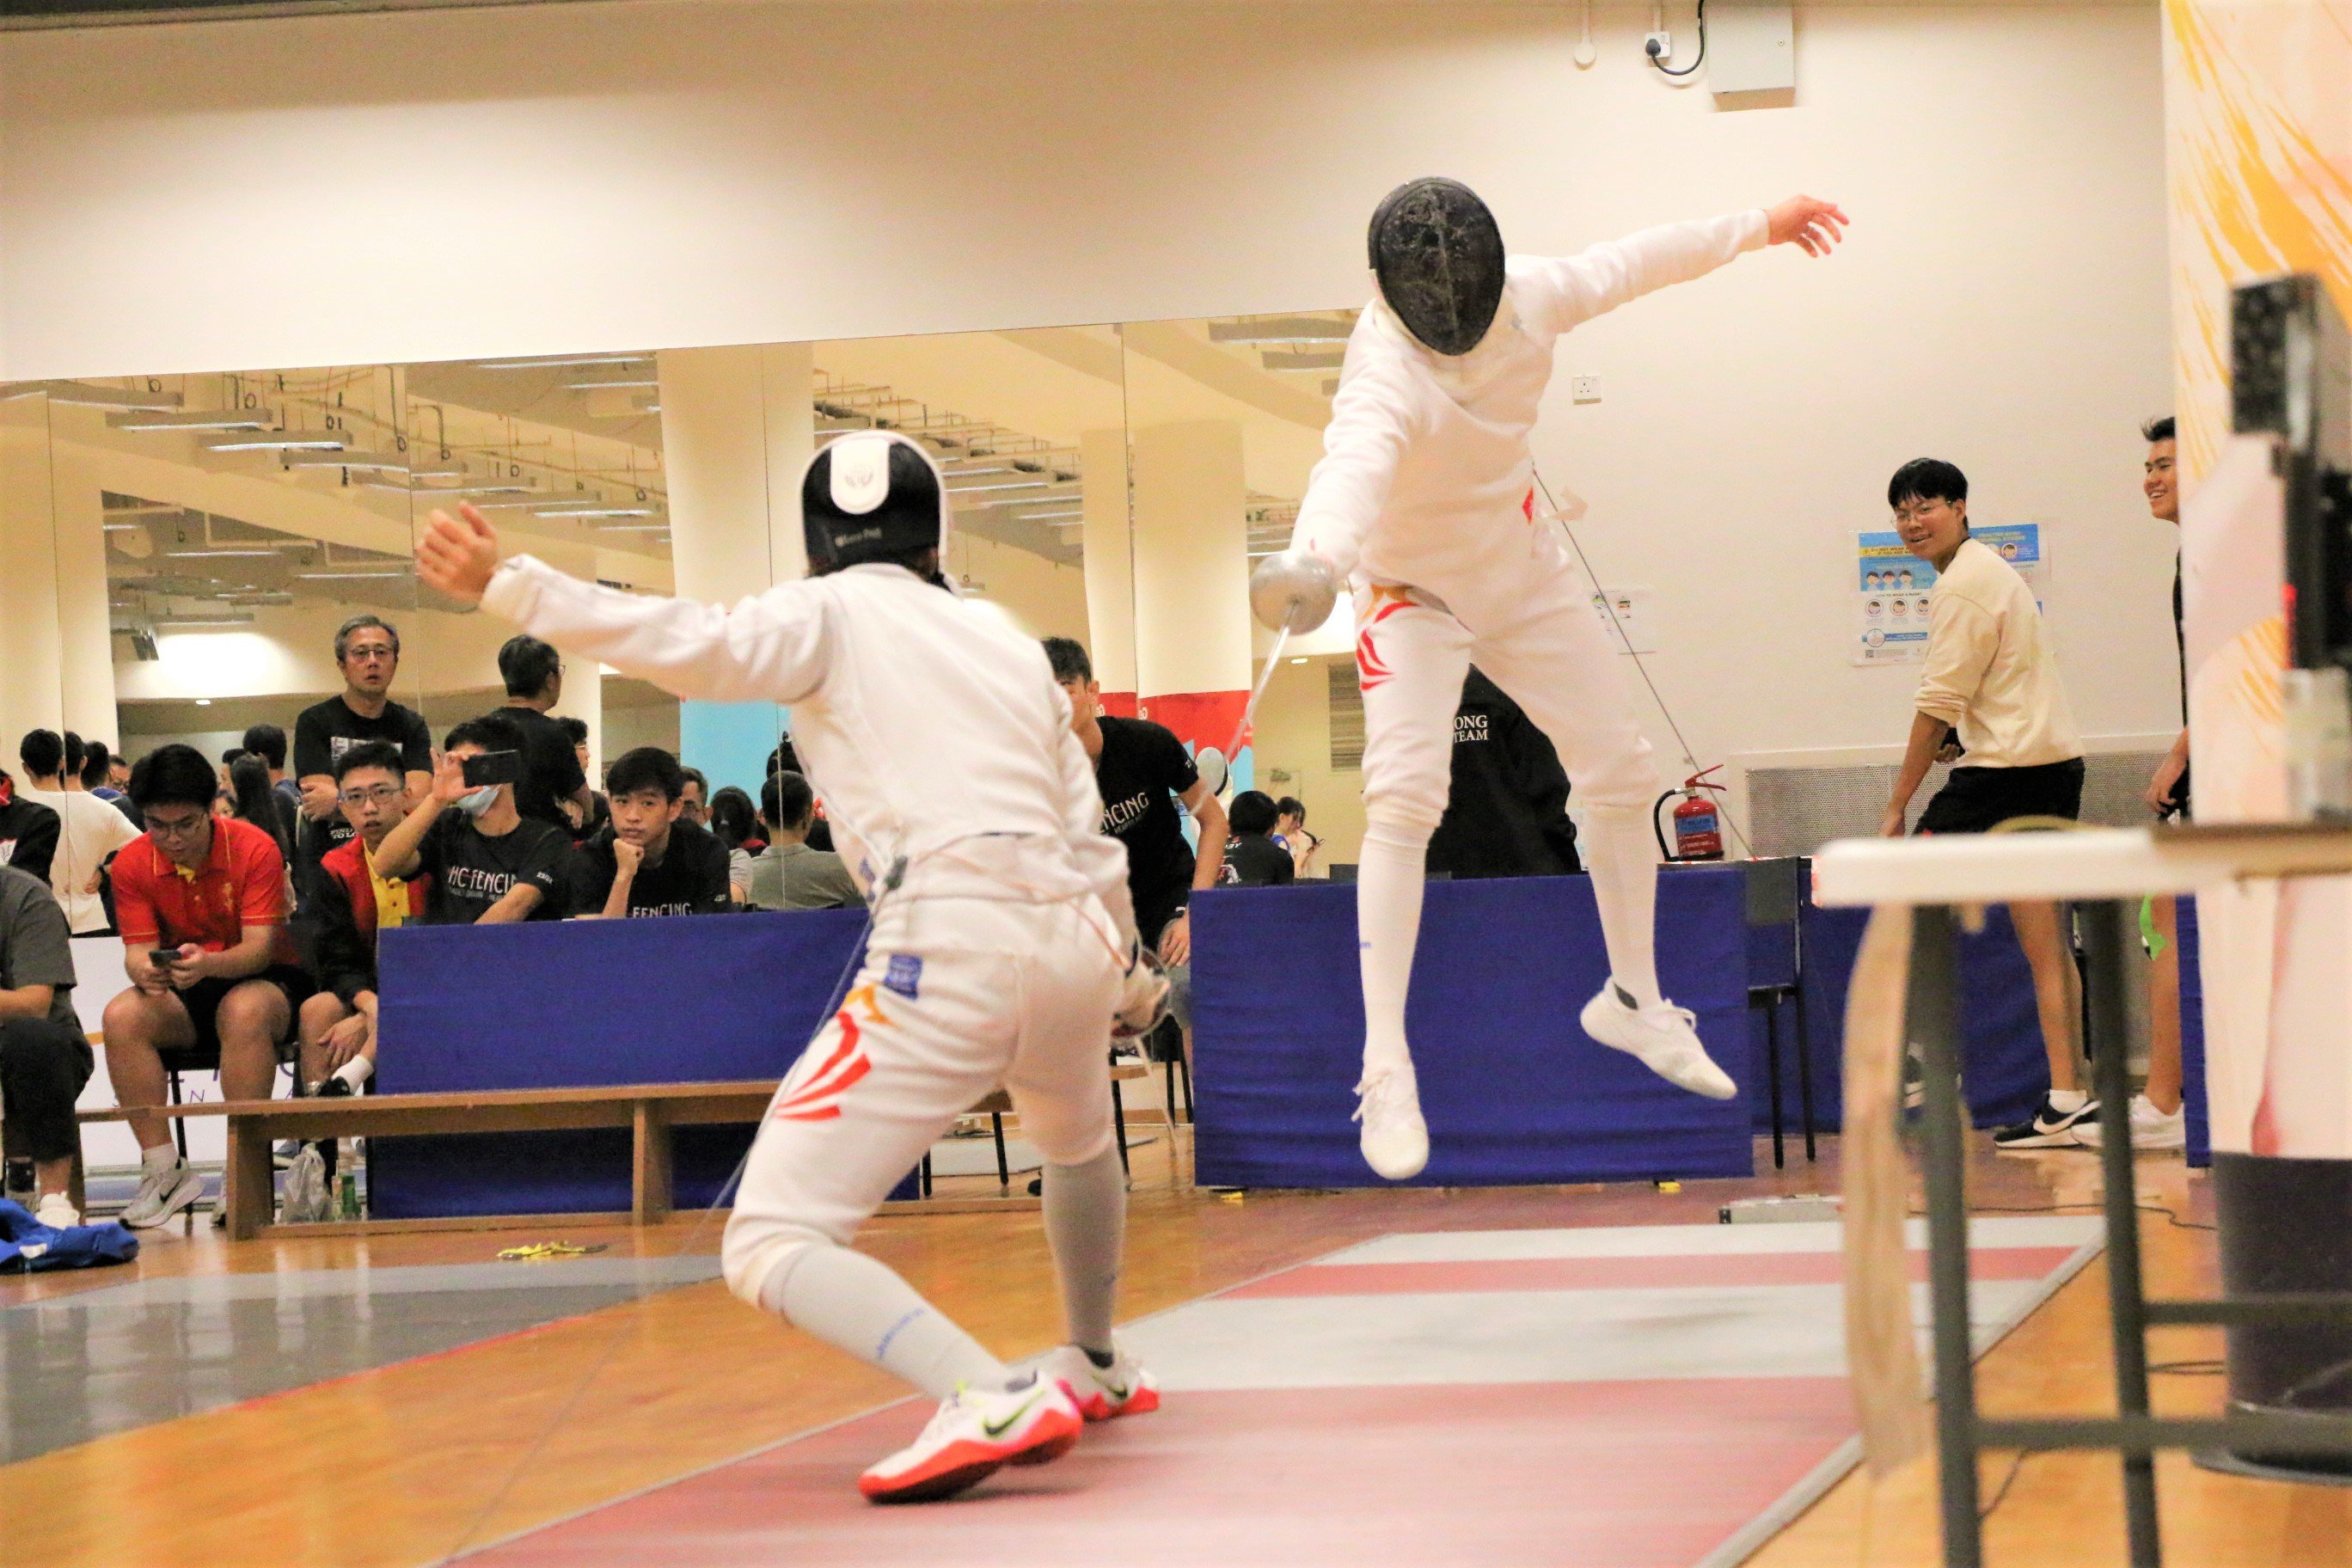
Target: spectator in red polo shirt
<point x="209" y="894"/>
<point x="338" y="1030"/>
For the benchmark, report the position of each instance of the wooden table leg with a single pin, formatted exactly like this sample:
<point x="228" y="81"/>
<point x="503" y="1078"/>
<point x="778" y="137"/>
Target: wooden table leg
<point x="651" y="1197"/>
<point x="248" y="1192"/>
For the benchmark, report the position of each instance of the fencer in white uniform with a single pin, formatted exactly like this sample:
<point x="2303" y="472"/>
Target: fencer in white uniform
<point x="1003" y="943"/>
<point x="1423" y="507"/>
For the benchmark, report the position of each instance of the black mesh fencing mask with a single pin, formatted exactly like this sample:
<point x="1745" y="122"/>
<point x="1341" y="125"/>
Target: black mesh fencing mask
<point x="1439" y="258"/>
<point x="871" y="496"/>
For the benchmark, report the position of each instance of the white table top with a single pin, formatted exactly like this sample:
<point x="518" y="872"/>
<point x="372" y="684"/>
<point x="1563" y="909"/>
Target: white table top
<point x="2097" y="863"/>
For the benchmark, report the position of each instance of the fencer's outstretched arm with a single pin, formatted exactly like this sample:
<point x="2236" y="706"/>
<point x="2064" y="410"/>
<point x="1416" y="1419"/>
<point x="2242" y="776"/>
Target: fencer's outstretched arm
<point x="1556" y="293"/>
<point x="769" y="648"/>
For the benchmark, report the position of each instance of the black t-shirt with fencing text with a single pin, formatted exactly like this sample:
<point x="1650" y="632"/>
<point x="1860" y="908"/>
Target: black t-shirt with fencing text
<point x="690" y="880"/>
<point x="1143" y="769"/>
<point x="470" y="870"/>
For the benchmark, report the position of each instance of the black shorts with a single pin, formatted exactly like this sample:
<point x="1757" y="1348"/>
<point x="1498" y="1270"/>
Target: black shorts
<point x="203" y="998"/>
<point x="1977" y="800"/>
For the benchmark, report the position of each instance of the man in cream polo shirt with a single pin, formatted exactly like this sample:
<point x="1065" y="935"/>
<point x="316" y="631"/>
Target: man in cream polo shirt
<point x="1992" y="679"/>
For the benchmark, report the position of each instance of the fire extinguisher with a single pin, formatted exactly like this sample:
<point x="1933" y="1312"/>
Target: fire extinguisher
<point x="1698" y="825"/>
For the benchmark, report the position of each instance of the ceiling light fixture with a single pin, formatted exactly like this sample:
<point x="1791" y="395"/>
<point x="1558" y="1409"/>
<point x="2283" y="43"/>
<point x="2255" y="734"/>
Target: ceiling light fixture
<point x="351" y="576"/>
<point x="576" y="361"/>
<point x="1280" y="330"/>
<point x="218" y="554"/>
<point x="282" y="441"/>
<point x="598" y="511"/>
<point x="1005" y="485"/>
<point x="372" y="462"/>
<point x="630" y="385"/>
<point x="82" y="394"/>
<point x="197" y="419"/>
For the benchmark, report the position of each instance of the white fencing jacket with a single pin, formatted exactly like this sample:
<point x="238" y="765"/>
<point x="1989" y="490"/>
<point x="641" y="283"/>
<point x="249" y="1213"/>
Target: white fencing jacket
<point x="936" y="735"/>
<point x="1425" y="474"/>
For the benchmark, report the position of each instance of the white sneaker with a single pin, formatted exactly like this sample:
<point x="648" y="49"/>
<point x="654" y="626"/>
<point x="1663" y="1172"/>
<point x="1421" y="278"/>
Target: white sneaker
<point x="1103" y="1393"/>
<point x="56" y="1212"/>
<point x="1395" y="1140"/>
<point x="163" y="1194"/>
<point x="1665" y="1038"/>
<point x="974" y="1434"/>
<point x="2150" y="1128"/>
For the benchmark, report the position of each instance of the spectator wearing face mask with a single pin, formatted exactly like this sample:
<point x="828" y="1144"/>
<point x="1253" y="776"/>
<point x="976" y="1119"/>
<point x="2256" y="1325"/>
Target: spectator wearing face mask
<point x="485" y="862"/>
<point x="651" y="860"/>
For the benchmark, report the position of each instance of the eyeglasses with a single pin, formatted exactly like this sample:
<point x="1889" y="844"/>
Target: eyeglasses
<point x="369" y="655"/>
<point x="175" y="827"/>
<point x="382" y="794"/>
<point x="1918" y="511"/>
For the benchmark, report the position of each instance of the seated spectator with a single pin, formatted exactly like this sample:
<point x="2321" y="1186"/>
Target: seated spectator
<point x="1290" y="834"/>
<point x="45" y="1059"/>
<point x="1506" y="809"/>
<point x="1253" y="860"/>
<point x="786" y="759"/>
<point x="89" y="830"/>
<point x="28" y="832"/>
<point x="600" y="810"/>
<point x="651" y="860"/>
<point x="338" y="1025"/>
<point x="793" y="874"/>
<point x="267" y="742"/>
<point x="553" y="788"/>
<point x="201" y="904"/>
<point x="736" y="823"/>
<point x="485" y="862"/>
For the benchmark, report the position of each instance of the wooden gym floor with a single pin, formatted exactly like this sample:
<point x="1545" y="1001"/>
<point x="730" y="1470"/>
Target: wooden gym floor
<point x="410" y="1463"/>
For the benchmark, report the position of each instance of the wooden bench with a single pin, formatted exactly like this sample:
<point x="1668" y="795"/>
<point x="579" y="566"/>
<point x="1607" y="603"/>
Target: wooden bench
<point x="649" y="1110"/>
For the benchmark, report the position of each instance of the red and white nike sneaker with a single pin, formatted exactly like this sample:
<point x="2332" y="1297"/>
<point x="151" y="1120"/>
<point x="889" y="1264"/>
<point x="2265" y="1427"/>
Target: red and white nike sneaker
<point x="974" y="1434"/>
<point x="1103" y="1393"/>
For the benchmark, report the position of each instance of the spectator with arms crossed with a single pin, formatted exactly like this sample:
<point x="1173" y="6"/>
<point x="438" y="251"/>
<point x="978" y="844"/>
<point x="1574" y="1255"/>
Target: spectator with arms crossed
<point x="367" y="652"/>
<point x="44" y="1059"/>
<point x="201" y="900"/>
<point x="649" y="861"/>
<point x="485" y="862"/>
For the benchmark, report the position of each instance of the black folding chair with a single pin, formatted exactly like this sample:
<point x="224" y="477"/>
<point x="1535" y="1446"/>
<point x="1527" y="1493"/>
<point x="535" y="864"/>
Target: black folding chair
<point x="1776" y="974"/>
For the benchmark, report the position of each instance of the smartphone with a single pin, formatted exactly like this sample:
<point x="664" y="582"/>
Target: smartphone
<point x="163" y="957"/>
<point x="493" y="768"/>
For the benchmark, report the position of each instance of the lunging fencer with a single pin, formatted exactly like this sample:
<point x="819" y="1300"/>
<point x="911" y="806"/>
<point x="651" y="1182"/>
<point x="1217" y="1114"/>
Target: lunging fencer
<point x="1423" y="506"/>
<point x="1002" y="949"/>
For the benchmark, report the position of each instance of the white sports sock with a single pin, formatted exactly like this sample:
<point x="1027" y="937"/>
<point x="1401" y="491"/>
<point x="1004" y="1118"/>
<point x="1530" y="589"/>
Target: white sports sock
<point x="1622" y="856"/>
<point x="2062" y="1100"/>
<point x="1085" y="1225"/>
<point x="1388" y="925"/>
<point x="160" y="1158"/>
<point x="355" y="1072"/>
<point x="851" y="1301"/>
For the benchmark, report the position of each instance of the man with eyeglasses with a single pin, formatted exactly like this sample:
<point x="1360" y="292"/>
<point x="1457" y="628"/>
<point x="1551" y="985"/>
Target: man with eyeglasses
<point x="1992" y="679"/>
<point x="201" y="904"/>
<point x="338" y="1024"/>
<point x="367" y="651"/>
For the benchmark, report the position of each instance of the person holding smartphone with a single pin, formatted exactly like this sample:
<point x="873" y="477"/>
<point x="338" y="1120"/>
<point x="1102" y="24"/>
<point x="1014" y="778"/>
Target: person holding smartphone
<point x="484" y="861"/>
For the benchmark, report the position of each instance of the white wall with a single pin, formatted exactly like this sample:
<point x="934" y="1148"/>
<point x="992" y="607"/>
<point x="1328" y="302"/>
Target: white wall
<point x="656" y="174"/>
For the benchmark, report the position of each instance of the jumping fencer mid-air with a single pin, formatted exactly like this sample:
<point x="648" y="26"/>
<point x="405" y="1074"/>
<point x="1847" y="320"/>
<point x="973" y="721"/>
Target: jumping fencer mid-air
<point x="1002" y="947"/>
<point x="1423" y="505"/>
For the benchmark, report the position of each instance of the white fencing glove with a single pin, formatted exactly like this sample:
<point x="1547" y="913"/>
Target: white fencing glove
<point x="1142" y="996"/>
<point x="1296" y="589"/>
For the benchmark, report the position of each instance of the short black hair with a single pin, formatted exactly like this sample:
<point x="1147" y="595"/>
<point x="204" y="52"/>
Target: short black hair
<point x="2160" y="428"/>
<point x="697" y="774"/>
<point x="647" y="767"/>
<point x="1068" y="658"/>
<point x="173" y="775"/>
<point x="1291" y="806"/>
<point x="786" y="800"/>
<point x="527" y="664"/>
<point x="266" y="742"/>
<point x="371" y="754"/>
<point x="491" y="731"/>
<point x="42" y="752"/>
<point x="95" y="761"/>
<point x="575" y="728"/>
<point x="360" y="623"/>
<point x="74" y="751"/>
<point x="1253" y="811"/>
<point x="1926" y="478"/>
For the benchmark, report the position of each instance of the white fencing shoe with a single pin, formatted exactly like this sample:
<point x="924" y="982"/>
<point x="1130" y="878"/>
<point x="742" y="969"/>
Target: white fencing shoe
<point x="1665" y="1038"/>
<point x="1103" y="1393"/>
<point x="975" y="1433"/>
<point x="1395" y="1140"/>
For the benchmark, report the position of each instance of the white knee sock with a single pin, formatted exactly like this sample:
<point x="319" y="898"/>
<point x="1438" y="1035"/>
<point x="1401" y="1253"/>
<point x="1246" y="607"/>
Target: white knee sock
<point x="1085" y="1225"/>
<point x="852" y="1301"/>
<point x="1388" y="926"/>
<point x="1622" y="856"/>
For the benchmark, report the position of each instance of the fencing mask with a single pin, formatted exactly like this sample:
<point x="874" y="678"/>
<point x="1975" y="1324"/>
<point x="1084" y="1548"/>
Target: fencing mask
<point x="871" y="496"/>
<point x="1439" y="258"/>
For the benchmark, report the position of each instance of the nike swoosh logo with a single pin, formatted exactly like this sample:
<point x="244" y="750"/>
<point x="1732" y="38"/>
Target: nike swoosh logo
<point x="999" y="1428"/>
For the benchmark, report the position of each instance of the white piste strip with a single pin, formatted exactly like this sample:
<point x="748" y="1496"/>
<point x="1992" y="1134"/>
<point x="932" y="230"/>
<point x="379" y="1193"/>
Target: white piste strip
<point x="1696" y="1240"/>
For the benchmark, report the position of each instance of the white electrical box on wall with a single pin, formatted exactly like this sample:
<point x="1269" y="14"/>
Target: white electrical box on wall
<point x="1751" y="47"/>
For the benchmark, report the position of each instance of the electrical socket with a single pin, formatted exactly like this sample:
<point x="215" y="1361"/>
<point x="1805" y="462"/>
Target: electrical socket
<point x="1584" y="388"/>
<point x="1660" y="47"/>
